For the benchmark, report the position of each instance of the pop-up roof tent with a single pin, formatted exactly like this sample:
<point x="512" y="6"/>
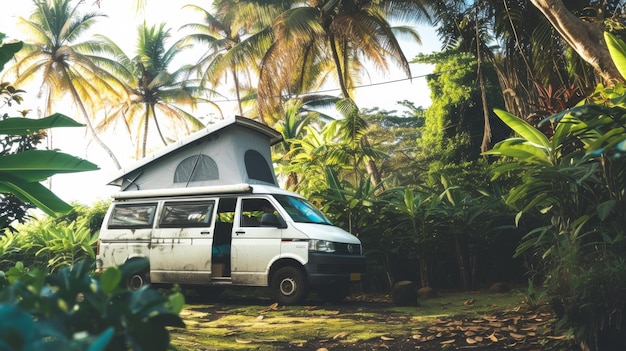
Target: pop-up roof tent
<point x="230" y="151"/>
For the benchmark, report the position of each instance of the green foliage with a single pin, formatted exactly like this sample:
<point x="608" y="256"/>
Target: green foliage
<point x="93" y="215"/>
<point x="75" y="310"/>
<point x="396" y="137"/>
<point x="21" y="174"/>
<point x="62" y="245"/>
<point x="576" y="180"/>
<point x="534" y="297"/>
<point x="7" y="50"/>
<point x="454" y="122"/>
<point x="55" y="242"/>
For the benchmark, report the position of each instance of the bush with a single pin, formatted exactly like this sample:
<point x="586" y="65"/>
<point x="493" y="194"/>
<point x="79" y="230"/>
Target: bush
<point x="74" y="309"/>
<point x="54" y="242"/>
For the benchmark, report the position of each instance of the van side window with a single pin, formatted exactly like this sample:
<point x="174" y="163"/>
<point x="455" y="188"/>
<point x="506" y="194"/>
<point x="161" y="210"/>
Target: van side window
<point x="258" y="213"/>
<point x="187" y="214"/>
<point x="132" y="216"/>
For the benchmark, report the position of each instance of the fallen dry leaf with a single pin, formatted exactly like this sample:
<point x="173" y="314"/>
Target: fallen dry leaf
<point x="517" y="336"/>
<point x="447" y="342"/>
<point x="340" y="336"/>
<point x="493" y="338"/>
<point x="386" y="338"/>
<point x="470" y="341"/>
<point x="243" y="341"/>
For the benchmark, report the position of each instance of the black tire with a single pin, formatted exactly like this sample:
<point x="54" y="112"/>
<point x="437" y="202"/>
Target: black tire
<point x="289" y="286"/>
<point x="333" y="293"/>
<point x="137" y="280"/>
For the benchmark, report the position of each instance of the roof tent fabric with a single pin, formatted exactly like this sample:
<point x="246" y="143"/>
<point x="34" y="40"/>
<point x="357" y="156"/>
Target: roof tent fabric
<point x="231" y="151"/>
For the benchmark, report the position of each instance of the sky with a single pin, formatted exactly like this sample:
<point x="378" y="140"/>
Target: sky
<point x="378" y="89"/>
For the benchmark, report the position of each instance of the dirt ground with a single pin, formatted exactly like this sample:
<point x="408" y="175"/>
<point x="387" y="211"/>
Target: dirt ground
<point x="509" y="329"/>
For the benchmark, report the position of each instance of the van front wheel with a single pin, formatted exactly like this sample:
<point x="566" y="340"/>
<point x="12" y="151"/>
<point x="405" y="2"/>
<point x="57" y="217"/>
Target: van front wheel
<point x="289" y="286"/>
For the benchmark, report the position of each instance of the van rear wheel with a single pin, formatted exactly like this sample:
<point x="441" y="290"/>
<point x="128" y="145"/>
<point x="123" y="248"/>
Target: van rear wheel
<point x="136" y="280"/>
<point x="289" y="286"/>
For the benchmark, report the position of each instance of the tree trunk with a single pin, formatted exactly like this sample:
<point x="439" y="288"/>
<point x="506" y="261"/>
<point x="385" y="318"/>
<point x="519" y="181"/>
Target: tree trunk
<point x="90" y="127"/>
<point x="586" y="38"/>
<point x="423" y="267"/>
<point x="462" y="261"/>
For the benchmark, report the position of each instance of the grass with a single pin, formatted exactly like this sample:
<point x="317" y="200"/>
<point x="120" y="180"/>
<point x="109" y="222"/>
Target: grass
<point x="267" y="327"/>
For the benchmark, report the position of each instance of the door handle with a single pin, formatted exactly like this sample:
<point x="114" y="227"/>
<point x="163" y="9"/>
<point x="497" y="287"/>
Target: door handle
<point x="239" y="232"/>
<point x="205" y="232"/>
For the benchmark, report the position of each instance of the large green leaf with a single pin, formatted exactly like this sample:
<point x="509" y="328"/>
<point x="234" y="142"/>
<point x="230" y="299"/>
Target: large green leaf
<point x="34" y="193"/>
<point x="524" y="129"/>
<point x="37" y="165"/>
<point x="521" y="150"/>
<point x="25" y="126"/>
<point x="617" y="49"/>
<point x="7" y="50"/>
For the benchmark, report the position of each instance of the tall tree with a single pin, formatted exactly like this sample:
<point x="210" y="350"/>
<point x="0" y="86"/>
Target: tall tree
<point x="319" y="41"/>
<point x="54" y="57"/>
<point x="537" y="68"/>
<point x="221" y="34"/>
<point x="330" y="41"/>
<point x="584" y="36"/>
<point x="158" y="95"/>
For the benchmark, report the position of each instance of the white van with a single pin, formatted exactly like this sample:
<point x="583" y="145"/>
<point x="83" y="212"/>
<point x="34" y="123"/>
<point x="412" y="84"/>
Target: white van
<point x="231" y="235"/>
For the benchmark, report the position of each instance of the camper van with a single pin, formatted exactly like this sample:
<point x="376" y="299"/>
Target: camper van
<point x="231" y="235"/>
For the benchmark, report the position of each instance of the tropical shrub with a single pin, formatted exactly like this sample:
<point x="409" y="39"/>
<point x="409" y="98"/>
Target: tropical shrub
<point x="22" y="172"/>
<point x="74" y="309"/>
<point x="577" y="180"/>
<point x="53" y="242"/>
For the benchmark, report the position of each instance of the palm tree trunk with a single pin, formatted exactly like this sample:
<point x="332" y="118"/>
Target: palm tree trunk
<point x="586" y="38"/>
<point x="423" y="269"/>
<point x="237" y="92"/>
<point x="80" y="105"/>
<point x="484" y="146"/>
<point x="370" y="165"/>
<point x="340" y="71"/>
<point x="144" y="142"/>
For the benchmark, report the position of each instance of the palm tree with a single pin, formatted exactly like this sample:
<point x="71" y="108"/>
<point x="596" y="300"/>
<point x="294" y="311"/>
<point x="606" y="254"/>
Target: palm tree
<point x="320" y="41"/>
<point x="299" y="113"/>
<point x="535" y="67"/>
<point x="53" y="57"/>
<point x="157" y="94"/>
<point x="220" y="34"/>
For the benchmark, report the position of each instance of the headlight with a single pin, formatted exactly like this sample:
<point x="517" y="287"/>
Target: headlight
<point x="321" y="246"/>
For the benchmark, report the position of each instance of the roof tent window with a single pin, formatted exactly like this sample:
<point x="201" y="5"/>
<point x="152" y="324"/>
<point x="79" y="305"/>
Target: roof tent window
<point x="257" y="167"/>
<point x="196" y="169"/>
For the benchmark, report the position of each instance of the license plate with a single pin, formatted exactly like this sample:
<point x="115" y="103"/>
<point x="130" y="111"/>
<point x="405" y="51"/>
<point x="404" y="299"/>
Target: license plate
<point x="355" y="277"/>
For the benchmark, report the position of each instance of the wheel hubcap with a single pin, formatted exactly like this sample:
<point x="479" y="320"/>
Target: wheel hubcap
<point x="288" y="286"/>
<point x="135" y="282"/>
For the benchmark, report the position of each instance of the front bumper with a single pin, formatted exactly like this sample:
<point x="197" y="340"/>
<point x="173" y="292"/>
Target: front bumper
<point x="330" y="268"/>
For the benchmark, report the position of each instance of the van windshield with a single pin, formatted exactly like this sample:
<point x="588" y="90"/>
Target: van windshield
<point x="301" y="210"/>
